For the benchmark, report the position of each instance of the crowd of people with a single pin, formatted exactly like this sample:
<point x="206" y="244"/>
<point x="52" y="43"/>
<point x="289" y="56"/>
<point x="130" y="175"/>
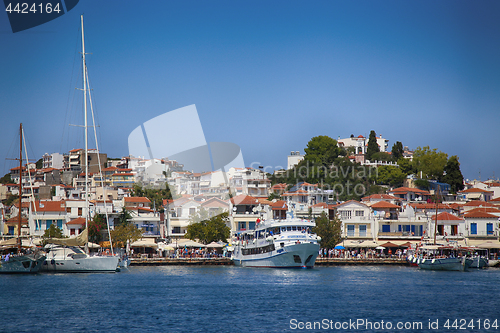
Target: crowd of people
<point x="361" y="253"/>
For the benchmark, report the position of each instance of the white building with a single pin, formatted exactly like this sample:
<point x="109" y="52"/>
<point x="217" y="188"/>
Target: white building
<point x="293" y="159"/>
<point x="54" y="160"/>
<point x="360" y="143"/>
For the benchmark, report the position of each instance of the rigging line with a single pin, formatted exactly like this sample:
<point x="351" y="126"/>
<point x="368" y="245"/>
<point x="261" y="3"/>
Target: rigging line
<point x="29" y="180"/>
<point x="99" y="164"/>
<point x="97" y="122"/>
<point x="9" y="152"/>
<point x="69" y="92"/>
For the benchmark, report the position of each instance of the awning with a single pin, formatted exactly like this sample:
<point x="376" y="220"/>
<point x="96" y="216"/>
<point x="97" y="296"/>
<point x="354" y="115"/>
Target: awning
<point x="144" y="243"/>
<point x="389" y="244"/>
<point x="190" y="243"/>
<point x="214" y="244"/>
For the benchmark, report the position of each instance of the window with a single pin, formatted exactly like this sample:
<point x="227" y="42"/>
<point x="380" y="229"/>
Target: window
<point x="360" y="213"/>
<point x="176" y="230"/>
<point x="242" y="225"/>
<point x="345" y="214"/>
<point x="68" y="210"/>
<point x="192" y="211"/>
<point x="48" y="223"/>
<point x="251" y="225"/>
<point x="350" y="230"/>
<point x="179" y="212"/>
<point x="489" y="228"/>
<point x="80" y="211"/>
<point x="60" y="224"/>
<point x="71" y="232"/>
<point x="473" y="228"/>
<point x="362" y="230"/>
<point x="386" y="228"/>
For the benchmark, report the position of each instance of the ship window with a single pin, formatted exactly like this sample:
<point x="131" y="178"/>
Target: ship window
<point x="283" y="229"/>
<point x="296" y="258"/>
<point x="294" y="228"/>
<point x="289" y="228"/>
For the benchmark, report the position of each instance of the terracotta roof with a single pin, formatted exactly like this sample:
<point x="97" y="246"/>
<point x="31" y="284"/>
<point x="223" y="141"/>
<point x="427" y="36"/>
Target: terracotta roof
<point x="15" y="220"/>
<point x="77" y="221"/>
<point x="279" y="205"/>
<point x="50" y="206"/>
<point x="122" y="174"/>
<point x="446" y="217"/>
<point x="485" y="210"/>
<point x="214" y="202"/>
<point x="17" y="168"/>
<point x="380" y="196"/>
<point x="407" y="189"/>
<point x="344" y="203"/>
<point x="430" y="206"/>
<point x="480" y="214"/>
<point x="244" y="199"/>
<point x="75" y="150"/>
<point x="475" y="190"/>
<point x="478" y="203"/>
<point x="136" y="199"/>
<point x="384" y="204"/>
<point x="111" y="168"/>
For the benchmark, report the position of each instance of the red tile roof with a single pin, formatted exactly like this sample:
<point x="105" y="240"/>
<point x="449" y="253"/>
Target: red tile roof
<point x="485" y="210"/>
<point x="136" y="199"/>
<point x="380" y="196"/>
<point x="475" y="190"/>
<point x="279" y="205"/>
<point x="430" y="206"/>
<point x="480" y="214"/>
<point x="384" y="204"/>
<point x="244" y="199"/>
<point x="50" y="206"/>
<point x="478" y="203"/>
<point x="445" y="216"/>
<point x="402" y="190"/>
<point x="77" y="221"/>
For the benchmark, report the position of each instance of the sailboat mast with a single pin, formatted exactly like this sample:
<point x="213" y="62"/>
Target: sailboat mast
<point x="85" y="131"/>
<point x="20" y="188"/>
<point x="436" y="216"/>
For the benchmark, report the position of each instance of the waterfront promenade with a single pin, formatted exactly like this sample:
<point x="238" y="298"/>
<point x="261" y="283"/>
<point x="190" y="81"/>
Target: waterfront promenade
<point x="227" y="261"/>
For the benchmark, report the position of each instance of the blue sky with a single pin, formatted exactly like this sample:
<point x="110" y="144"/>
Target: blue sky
<point x="266" y="75"/>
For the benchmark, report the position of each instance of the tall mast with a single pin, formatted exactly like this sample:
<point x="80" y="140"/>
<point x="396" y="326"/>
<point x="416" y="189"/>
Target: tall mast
<point x="20" y="187"/>
<point x="436" y="216"/>
<point x="86" y="134"/>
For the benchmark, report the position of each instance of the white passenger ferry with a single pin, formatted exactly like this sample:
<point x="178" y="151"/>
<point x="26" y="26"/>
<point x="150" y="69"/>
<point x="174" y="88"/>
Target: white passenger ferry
<point x="277" y="243"/>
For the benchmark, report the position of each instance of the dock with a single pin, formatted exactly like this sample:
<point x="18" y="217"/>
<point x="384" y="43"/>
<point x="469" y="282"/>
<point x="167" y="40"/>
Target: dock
<point x="228" y="261"/>
<point x="364" y="261"/>
<point x="180" y="261"/>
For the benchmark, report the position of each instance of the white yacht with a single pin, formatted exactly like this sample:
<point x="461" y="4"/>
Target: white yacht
<point x="277" y="243"/>
<point x="72" y="259"/>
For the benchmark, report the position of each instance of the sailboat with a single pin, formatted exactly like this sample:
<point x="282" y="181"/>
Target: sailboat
<point x="31" y="261"/>
<point x="442" y="257"/>
<point x="65" y="254"/>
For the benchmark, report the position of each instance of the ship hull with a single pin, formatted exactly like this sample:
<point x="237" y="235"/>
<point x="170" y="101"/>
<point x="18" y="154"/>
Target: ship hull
<point x="301" y="255"/>
<point x="27" y="264"/>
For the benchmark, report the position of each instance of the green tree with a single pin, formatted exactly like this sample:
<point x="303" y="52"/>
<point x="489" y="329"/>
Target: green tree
<point x="406" y="166"/>
<point x="96" y="227"/>
<point x="430" y="162"/>
<point x="390" y="175"/>
<point x="372" y="146"/>
<point x="381" y="156"/>
<point x="322" y="150"/>
<point x="53" y="232"/>
<point x="39" y="164"/>
<point x="397" y="150"/>
<point x="211" y="230"/>
<point x="330" y="231"/>
<point x="453" y="176"/>
<point x="6" y="179"/>
<point x="124" y="218"/>
<point x="125" y="232"/>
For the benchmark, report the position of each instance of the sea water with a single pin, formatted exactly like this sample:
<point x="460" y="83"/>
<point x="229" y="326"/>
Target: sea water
<point x="235" y="299"/>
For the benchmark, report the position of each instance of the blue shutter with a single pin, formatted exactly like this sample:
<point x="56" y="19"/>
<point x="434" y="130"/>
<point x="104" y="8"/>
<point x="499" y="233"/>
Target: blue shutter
<point x="489" y="228"/>
<point x="386" y="228"/>
<point x="473" y="228"/>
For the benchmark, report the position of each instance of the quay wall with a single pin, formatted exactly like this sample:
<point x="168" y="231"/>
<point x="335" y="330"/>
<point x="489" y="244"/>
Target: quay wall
<point x="227" y="261"/>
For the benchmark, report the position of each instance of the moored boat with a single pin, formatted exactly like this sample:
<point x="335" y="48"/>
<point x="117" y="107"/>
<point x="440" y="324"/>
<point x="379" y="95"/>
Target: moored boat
<point x="277" y="243"/>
